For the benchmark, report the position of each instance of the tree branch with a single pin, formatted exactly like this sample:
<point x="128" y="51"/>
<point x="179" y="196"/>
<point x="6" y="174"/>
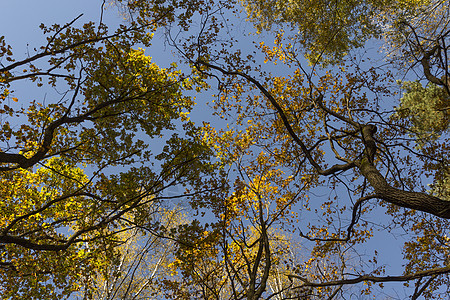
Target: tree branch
<point x="355" y="217"/>
<point x="414" y="200"/>
<point x="364" y="278"/>
<point x="286" y="123"/>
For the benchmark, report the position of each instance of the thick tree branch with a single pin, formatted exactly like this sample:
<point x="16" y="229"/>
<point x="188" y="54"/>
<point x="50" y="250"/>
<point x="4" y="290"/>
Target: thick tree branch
<point x="74" y="238"/>
<point x="23" y="162"/>
<point x="365" y="278"/>
<point x="425" y="61"/>
<point x="414" y="200"/>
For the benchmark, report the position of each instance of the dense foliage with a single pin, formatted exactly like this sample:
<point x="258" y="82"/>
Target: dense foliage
<point x="316" y="149"/>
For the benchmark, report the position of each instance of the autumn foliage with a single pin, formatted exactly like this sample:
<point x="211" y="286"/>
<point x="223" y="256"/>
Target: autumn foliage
<point x="327" y="136"/>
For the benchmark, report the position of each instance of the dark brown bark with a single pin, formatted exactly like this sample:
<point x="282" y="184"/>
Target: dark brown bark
<point x="365" y="278"/>
<point x="414" y="200"/>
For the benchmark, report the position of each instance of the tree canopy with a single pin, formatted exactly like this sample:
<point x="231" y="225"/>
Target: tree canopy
<point x="78" y="169"/>
<point x="312" y="150"/>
